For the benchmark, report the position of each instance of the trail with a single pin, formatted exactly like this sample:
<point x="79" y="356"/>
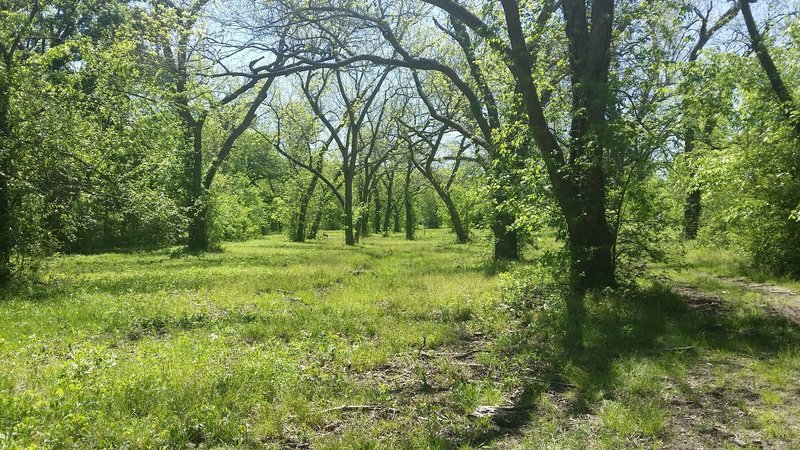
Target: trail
<point x="776" y="300"/>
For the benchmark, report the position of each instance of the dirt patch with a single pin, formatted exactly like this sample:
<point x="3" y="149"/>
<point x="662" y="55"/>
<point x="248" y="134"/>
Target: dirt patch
<point x="778" y="300"/>
<point x="705" y="416"/>
<point x="697" y="299"/>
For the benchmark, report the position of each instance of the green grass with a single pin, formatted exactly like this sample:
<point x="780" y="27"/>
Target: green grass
<point x="257" y="345"/>
<point x="727" y="263"/>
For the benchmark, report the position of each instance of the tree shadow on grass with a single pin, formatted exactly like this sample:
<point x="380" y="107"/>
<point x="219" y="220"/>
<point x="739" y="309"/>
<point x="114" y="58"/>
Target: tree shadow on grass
<point x="655" y="325"/>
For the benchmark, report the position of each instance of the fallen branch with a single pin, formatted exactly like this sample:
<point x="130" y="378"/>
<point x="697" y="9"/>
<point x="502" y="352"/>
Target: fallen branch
<point x="347" y="408"/>
<point x="454" y="355"/>
<point x="678" y="349"/>
<point x="468" y="354"/>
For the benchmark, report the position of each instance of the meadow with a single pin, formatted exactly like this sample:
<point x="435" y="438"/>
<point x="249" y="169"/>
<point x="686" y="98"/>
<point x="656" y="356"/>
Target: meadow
<point x="393" y="343"/>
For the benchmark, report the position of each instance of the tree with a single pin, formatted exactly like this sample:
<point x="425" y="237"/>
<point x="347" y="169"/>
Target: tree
<point x="707" y="29"/>
<point x="179" y="40"/>
<point x="356" y="134"/>
<point x="18" y="21"/>
<point x="424" y="151"/>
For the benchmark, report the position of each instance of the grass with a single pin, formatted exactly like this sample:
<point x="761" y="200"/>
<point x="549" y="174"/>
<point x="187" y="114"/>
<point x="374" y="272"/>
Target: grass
<point x="262" y="344"/>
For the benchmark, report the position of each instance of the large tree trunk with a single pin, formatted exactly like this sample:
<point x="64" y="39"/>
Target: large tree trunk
<point x="506" y="239"/>
<point x="577" y="179"/>
<point x="300" y="230"/>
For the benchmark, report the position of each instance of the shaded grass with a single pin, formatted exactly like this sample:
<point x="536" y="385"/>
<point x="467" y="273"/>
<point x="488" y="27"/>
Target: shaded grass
<point x="658" y="372"/>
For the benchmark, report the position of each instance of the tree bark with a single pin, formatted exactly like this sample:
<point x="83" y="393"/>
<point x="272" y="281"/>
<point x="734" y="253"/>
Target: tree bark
<point x="312" y="233"/>
<point x="506" y="240"/>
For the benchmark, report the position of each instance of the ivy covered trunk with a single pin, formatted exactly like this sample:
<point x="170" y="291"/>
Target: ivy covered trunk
<point x="506" y="239"/>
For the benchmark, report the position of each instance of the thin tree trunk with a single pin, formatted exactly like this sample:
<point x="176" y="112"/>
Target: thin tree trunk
<point x="377" y="212"/>
<point x="349" y="226"/>
<point x="409" y="207"/>
<point x="6" y="168"/>
<point x="396" y="227"/>
<point x="458" y="227"/>
<point x="305" y="199"/>
<point x="768" y="65"/>
<point x="312" y="234"/>
<point x="198" y="209"/>
<point x="389" y="205"/>
<point x="693" y="204"/>
<point x="6" y="234"/>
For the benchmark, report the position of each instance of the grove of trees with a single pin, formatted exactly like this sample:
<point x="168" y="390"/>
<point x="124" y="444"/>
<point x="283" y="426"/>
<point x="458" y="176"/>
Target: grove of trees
<point x="626" y="126"/>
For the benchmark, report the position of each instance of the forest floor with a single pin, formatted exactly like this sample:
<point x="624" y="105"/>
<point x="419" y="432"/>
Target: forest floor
<point x="400" y="344"/>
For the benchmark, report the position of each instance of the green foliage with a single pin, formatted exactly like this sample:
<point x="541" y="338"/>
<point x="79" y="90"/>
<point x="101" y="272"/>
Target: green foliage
<point x="749" y="171"/>
<point x="236" y="210"/>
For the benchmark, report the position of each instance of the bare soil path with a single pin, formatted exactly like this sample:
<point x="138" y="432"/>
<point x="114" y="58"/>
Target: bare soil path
<point x="777" y="300"/>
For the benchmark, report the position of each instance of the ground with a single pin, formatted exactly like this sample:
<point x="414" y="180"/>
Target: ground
<point x="422" y="344"/>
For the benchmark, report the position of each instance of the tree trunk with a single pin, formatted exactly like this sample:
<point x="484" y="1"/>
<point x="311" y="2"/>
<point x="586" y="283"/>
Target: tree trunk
<point x="389" y="205"/>
<point x="461" y="234"/>
<point x="198" y="227"/>
<point x="506" y="240"/>
<point x="300" y="230"/>
<point x="768" y="65"/>
<point x="6" y="235"/>
<point x="6" y="168"/>
<point x="377" y="212"/>
<point x="362" y="224"/>
<point x="349" y="226"/>
<point x="409" y="207"/>
<point x="198" y="209"/>
<point x="312" y="234"/>
<point x="396" y="227"/>
<point x="692" y="206"/>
